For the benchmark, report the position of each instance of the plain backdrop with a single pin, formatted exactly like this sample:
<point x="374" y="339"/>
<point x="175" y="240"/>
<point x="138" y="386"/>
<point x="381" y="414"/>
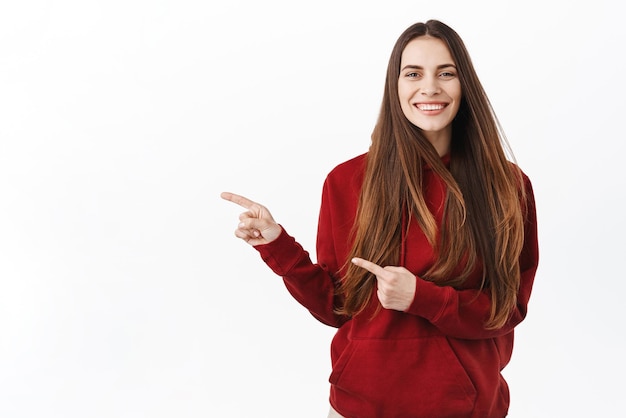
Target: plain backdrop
<point x="123" y="291"/>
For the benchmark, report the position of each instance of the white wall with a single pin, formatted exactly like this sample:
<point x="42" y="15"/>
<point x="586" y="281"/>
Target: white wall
<point x="123" y="292"/>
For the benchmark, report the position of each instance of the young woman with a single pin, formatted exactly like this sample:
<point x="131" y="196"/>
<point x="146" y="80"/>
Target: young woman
<point x="426" y="248"/>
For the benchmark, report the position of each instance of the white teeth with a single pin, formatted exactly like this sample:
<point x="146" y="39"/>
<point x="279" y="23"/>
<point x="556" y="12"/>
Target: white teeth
<point x="428" y="106"/>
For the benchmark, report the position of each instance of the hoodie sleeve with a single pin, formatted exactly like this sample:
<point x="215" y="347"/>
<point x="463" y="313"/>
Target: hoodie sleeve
<point x="462" y="313"/>
<point x="313" y="285"/>
<point x="309" y="283"/>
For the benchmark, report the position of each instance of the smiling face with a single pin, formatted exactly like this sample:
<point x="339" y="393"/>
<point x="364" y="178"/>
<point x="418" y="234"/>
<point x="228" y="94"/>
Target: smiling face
<point x="429" y="89"/>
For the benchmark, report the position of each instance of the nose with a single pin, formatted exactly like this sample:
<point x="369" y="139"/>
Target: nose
<point x="429" y="86"/>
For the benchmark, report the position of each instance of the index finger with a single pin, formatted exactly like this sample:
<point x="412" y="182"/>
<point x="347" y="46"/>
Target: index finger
<point x="369" y="266"/>
<point x="235" y="198"/>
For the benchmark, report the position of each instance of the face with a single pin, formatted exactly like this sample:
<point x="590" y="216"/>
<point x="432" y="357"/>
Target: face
<point x="429" y="89"/>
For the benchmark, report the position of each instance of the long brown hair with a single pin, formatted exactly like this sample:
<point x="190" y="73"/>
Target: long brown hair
<point x="483" y="219"/>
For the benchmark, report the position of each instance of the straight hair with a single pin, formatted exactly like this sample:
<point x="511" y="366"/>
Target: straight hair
<point x="483" y="221"/>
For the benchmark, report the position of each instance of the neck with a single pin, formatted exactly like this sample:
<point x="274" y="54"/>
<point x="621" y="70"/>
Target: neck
<point x="440" y="140"/>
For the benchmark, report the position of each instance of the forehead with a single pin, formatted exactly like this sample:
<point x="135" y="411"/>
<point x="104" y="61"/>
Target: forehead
<point x="426" y="51"/>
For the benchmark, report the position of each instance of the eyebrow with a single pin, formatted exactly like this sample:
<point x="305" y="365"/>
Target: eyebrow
<point x="418" y="67"/>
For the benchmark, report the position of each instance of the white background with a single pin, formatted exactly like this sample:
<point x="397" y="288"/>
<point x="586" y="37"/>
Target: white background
<point x="123" y="291"/>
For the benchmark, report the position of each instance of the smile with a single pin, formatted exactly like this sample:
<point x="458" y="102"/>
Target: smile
<point x="430" y="106"/>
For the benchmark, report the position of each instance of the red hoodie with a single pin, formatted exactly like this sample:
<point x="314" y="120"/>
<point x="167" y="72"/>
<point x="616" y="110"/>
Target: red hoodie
<point x="434" y="360"/>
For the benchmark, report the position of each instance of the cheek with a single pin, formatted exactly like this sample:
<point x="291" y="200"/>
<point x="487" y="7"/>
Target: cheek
<point x="406" y="108"/>
<point x="458" y="96"/>
<point x="404" y="97"/>
<point x="458" y="92"/>
<point x="404" y="92"/>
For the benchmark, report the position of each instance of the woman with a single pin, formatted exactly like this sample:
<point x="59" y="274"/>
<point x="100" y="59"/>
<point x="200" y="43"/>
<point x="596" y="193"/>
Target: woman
<point x="426" y="248"/>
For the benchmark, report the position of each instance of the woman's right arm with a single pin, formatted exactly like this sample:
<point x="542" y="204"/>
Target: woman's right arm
<point x="311" y="284"/>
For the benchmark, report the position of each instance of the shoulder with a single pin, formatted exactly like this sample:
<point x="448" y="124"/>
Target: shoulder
<point x="349" y="168"/>
<point x="524" y="179"/>
<point x="346" y="177"/>
<point x="526" y="193"/>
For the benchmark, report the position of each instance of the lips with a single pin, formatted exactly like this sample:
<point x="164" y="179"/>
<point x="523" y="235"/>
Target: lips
<point x="430" y="106"/>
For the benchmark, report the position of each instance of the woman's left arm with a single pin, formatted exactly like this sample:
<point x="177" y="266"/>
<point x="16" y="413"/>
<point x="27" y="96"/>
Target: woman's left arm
<point x="458" y="313"/>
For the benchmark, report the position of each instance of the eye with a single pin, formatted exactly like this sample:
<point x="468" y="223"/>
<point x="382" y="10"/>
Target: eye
<point x="447" y="74"/>
<point x="412" y="74"/>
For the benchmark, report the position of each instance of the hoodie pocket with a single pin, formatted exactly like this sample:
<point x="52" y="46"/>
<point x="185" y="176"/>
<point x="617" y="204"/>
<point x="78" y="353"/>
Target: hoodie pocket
<point x="419" y="377"/>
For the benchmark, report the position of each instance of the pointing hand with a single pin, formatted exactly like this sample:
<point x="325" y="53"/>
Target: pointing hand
<point x="396" y="285"/>
<point x="256" y="225"/>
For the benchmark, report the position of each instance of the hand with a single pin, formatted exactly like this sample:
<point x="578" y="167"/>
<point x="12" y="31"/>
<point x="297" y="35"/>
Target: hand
<point x="396" y="285"/>
<point x="256" y="225"/>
